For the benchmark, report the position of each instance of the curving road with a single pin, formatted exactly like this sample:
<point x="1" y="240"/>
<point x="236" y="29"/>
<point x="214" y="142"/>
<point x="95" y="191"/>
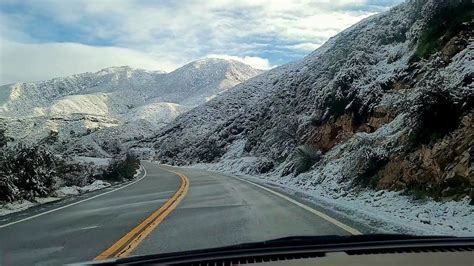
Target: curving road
<point x="169" y="209"/>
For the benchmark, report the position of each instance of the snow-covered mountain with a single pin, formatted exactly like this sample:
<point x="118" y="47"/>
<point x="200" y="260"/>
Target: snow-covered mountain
<point x="127" y="103"/>
<point x="117" y="90"/>
<point x="386" y="104"/>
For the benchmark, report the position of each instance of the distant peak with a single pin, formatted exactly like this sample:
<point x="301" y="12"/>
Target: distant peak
<point x="217" y="62"/>
<point x="210" y="61"/>
<point x="117" y="69"/>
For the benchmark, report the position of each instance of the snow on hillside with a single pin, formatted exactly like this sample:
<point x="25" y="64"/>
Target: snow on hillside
<point x="385" y="110"/>
<point x="36" y="98"/>
<point x="156" y="112"/>
<point x="130" y="103"/>
<point x="116" y="90"/>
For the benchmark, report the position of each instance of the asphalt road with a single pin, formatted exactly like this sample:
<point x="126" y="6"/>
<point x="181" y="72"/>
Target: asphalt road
<point x="216" y="210"/>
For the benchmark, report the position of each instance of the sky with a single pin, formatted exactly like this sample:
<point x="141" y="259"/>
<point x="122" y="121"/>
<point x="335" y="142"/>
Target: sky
<point x="43" y="39"/>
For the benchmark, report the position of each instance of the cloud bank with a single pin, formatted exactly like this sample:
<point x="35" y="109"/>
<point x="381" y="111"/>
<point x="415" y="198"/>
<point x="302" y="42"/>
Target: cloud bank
<point x="33" y="62"/>
<point x="165" y="34"/>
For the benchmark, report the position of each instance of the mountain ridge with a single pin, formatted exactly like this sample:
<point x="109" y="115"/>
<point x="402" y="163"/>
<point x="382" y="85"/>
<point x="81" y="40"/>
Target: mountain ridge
<point x="27" y="99"/>
<point x="113" y="99"/>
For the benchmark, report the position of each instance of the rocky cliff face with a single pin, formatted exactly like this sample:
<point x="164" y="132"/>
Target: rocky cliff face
<point x="388" y="102"/>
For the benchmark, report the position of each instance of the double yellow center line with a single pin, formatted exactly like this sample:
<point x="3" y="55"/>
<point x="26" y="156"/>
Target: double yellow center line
<point x="125" y="245"/>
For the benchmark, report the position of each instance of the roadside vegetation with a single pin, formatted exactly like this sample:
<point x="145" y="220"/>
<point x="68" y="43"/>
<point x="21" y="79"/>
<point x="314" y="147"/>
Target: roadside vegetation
<point x="30" y="172"/>
<point x="27" y="172"/>
<point x="443" y="27"/>
<point x="305" y="157"/>
<point x="122" y="168"/>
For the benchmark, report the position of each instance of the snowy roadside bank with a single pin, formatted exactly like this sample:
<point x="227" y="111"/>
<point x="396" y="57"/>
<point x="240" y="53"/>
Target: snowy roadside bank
<point x="57" y="195"/>
<point x="61" y="193"/>
<point x="384" y="211"/>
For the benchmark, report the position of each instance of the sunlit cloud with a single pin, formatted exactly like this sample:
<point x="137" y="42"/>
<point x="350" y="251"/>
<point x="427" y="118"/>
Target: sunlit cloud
<point x="253" y="61"/>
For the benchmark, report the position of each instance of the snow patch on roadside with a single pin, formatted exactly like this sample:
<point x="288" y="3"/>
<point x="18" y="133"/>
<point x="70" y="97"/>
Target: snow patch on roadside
<point x="75" y="190"/>
<point x="98" y="184"/>
<point x="23" y="205"/>
<point x="15" y="207"/>
<point x="46" y="200"/>
<point x="139" y="171"/>
<point x="67" y="191"/>
<point x="60" y="193"/>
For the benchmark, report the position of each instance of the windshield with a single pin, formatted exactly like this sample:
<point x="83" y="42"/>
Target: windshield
<point x="147" y="127"/>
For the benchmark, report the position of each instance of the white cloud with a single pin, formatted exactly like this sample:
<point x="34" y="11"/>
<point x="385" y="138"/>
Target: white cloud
<point x="253" y="61"/>
<point x="32" y="62"/>
<point x="167" y="34"/>
<point x="201" y="25"/>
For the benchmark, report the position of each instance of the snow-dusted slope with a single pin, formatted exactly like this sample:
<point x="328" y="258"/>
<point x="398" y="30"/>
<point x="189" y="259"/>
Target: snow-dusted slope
<point x="388" y="102"/>
<point x="76" y="93"/>
<point x="124" y="102"/>
<point x="118" y="90"/>
<point x="199" y="81"/>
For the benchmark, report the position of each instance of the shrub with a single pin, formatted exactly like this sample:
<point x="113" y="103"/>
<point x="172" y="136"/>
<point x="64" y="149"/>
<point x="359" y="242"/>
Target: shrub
<point x="418" y="193"/>
<point x="471" y="195"/>
<point x="3" y="138"/>
<point x="264" y="165"/>
<point x="8" y="190"/>
<point x="76" y="174"/>
<point x="367" y="168"/>
<point x="52" y="137"/>
<point x="438" y="115"/>
<point x="120" y="169"/>
<point x="374" y="181"/>
<point x="315" y="121"/>
<point x="305" y="157"/>
<point x="209" y="150"/>
<point x="413" y="139"/>
<point x="27" y="172"/>
<point x="443" y="27"/>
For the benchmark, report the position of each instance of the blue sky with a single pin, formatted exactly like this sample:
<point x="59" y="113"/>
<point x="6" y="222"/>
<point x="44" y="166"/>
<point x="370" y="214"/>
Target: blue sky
<point x="48" y="38"/>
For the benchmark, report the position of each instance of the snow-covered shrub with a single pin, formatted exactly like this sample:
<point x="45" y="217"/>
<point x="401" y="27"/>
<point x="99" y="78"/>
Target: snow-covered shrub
<point x="367" y="165"/>
<point x="122" y="168"/>
<point x="8" y="190"/>
<point x="264" y="165"/>
<point x="26" y="172"/>
<point x="76" y="174"/>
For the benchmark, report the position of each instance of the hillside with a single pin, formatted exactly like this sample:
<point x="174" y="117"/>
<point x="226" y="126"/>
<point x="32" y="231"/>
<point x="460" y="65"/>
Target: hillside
<point x="385" y="104"/>
<point x="82" y="111"/>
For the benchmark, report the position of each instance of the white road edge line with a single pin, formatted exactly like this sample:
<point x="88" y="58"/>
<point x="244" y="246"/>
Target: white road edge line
<point x="74" y="203"/>
<point x="306" y="207"/>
